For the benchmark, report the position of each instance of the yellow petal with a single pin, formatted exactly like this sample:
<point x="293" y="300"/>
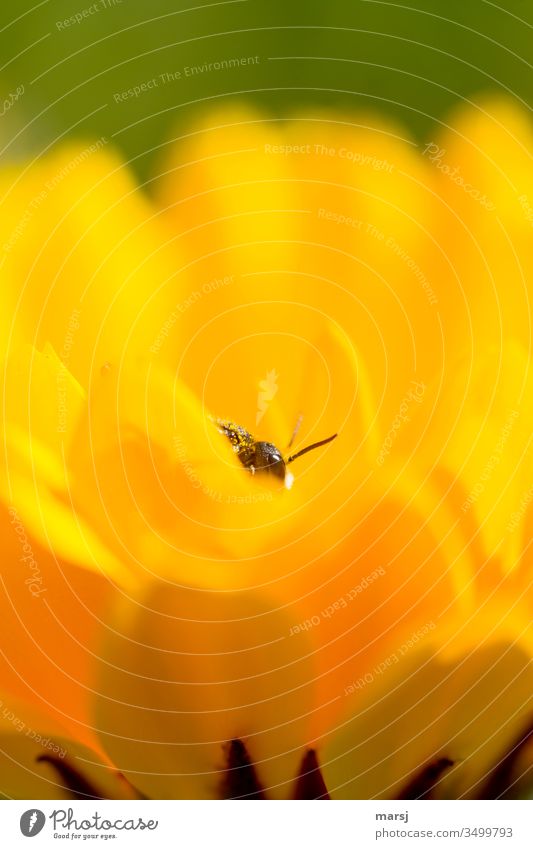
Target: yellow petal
<point x="305" y="219"/>
<point x="422" y="705"/>
<point x="85" y="258"/>
<point x="39" y="761"/>
<point x="188" y="671"/>
<point x="43" y="405"/>
<point x="482" y="166"/>
<point x="477" y="448"/>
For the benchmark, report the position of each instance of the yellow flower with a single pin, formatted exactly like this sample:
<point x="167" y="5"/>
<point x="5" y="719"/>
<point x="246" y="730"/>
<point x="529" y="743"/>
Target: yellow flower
<point x="365" y="632"/>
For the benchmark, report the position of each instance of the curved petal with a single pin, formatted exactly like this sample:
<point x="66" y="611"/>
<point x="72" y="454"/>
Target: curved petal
<point x="42" y="407"/>
<point x="51" y="614"/>
<point x="39" y="761"/>
<point x="482" y="165"/>
<point x="189" y="671"/>
<point x="477" y="449"/>
<point x="289" y="223"/>
<point x="461" y="697"/>
<point x="162" y="487"/>
<point x="85" y="258"/>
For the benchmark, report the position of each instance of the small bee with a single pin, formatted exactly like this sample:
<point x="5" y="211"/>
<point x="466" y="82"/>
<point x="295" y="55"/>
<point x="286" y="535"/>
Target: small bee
<point x="263" y="457"/>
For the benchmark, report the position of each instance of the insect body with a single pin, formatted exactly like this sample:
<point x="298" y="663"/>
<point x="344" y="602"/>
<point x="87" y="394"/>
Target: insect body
<point x="262" y="457"/>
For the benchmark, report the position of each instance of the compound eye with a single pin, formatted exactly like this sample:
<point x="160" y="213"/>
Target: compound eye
<point x="268" y="459"/>
<point x="278" y="469"/>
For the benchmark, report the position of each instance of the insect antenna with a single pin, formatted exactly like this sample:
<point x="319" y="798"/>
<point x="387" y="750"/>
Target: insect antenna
<point x="297" y="426"/>
<point x="309" y="448"/>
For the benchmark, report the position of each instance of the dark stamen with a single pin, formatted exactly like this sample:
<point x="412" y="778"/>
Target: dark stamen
<point x="501" y="779"/>
<point x="310" y="448"/>
<point x="422" y="785"/>
<point x="310" y="783"/>
<point x="240" y="778"/>
<point x="73" y="780"/>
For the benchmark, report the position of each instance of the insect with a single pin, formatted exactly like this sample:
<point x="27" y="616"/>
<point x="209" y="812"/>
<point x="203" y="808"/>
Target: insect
<point x="263" y="457"/>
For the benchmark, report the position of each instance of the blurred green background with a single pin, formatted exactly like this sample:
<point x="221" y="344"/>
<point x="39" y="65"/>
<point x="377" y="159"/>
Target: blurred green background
<point x="410" y="61"/>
